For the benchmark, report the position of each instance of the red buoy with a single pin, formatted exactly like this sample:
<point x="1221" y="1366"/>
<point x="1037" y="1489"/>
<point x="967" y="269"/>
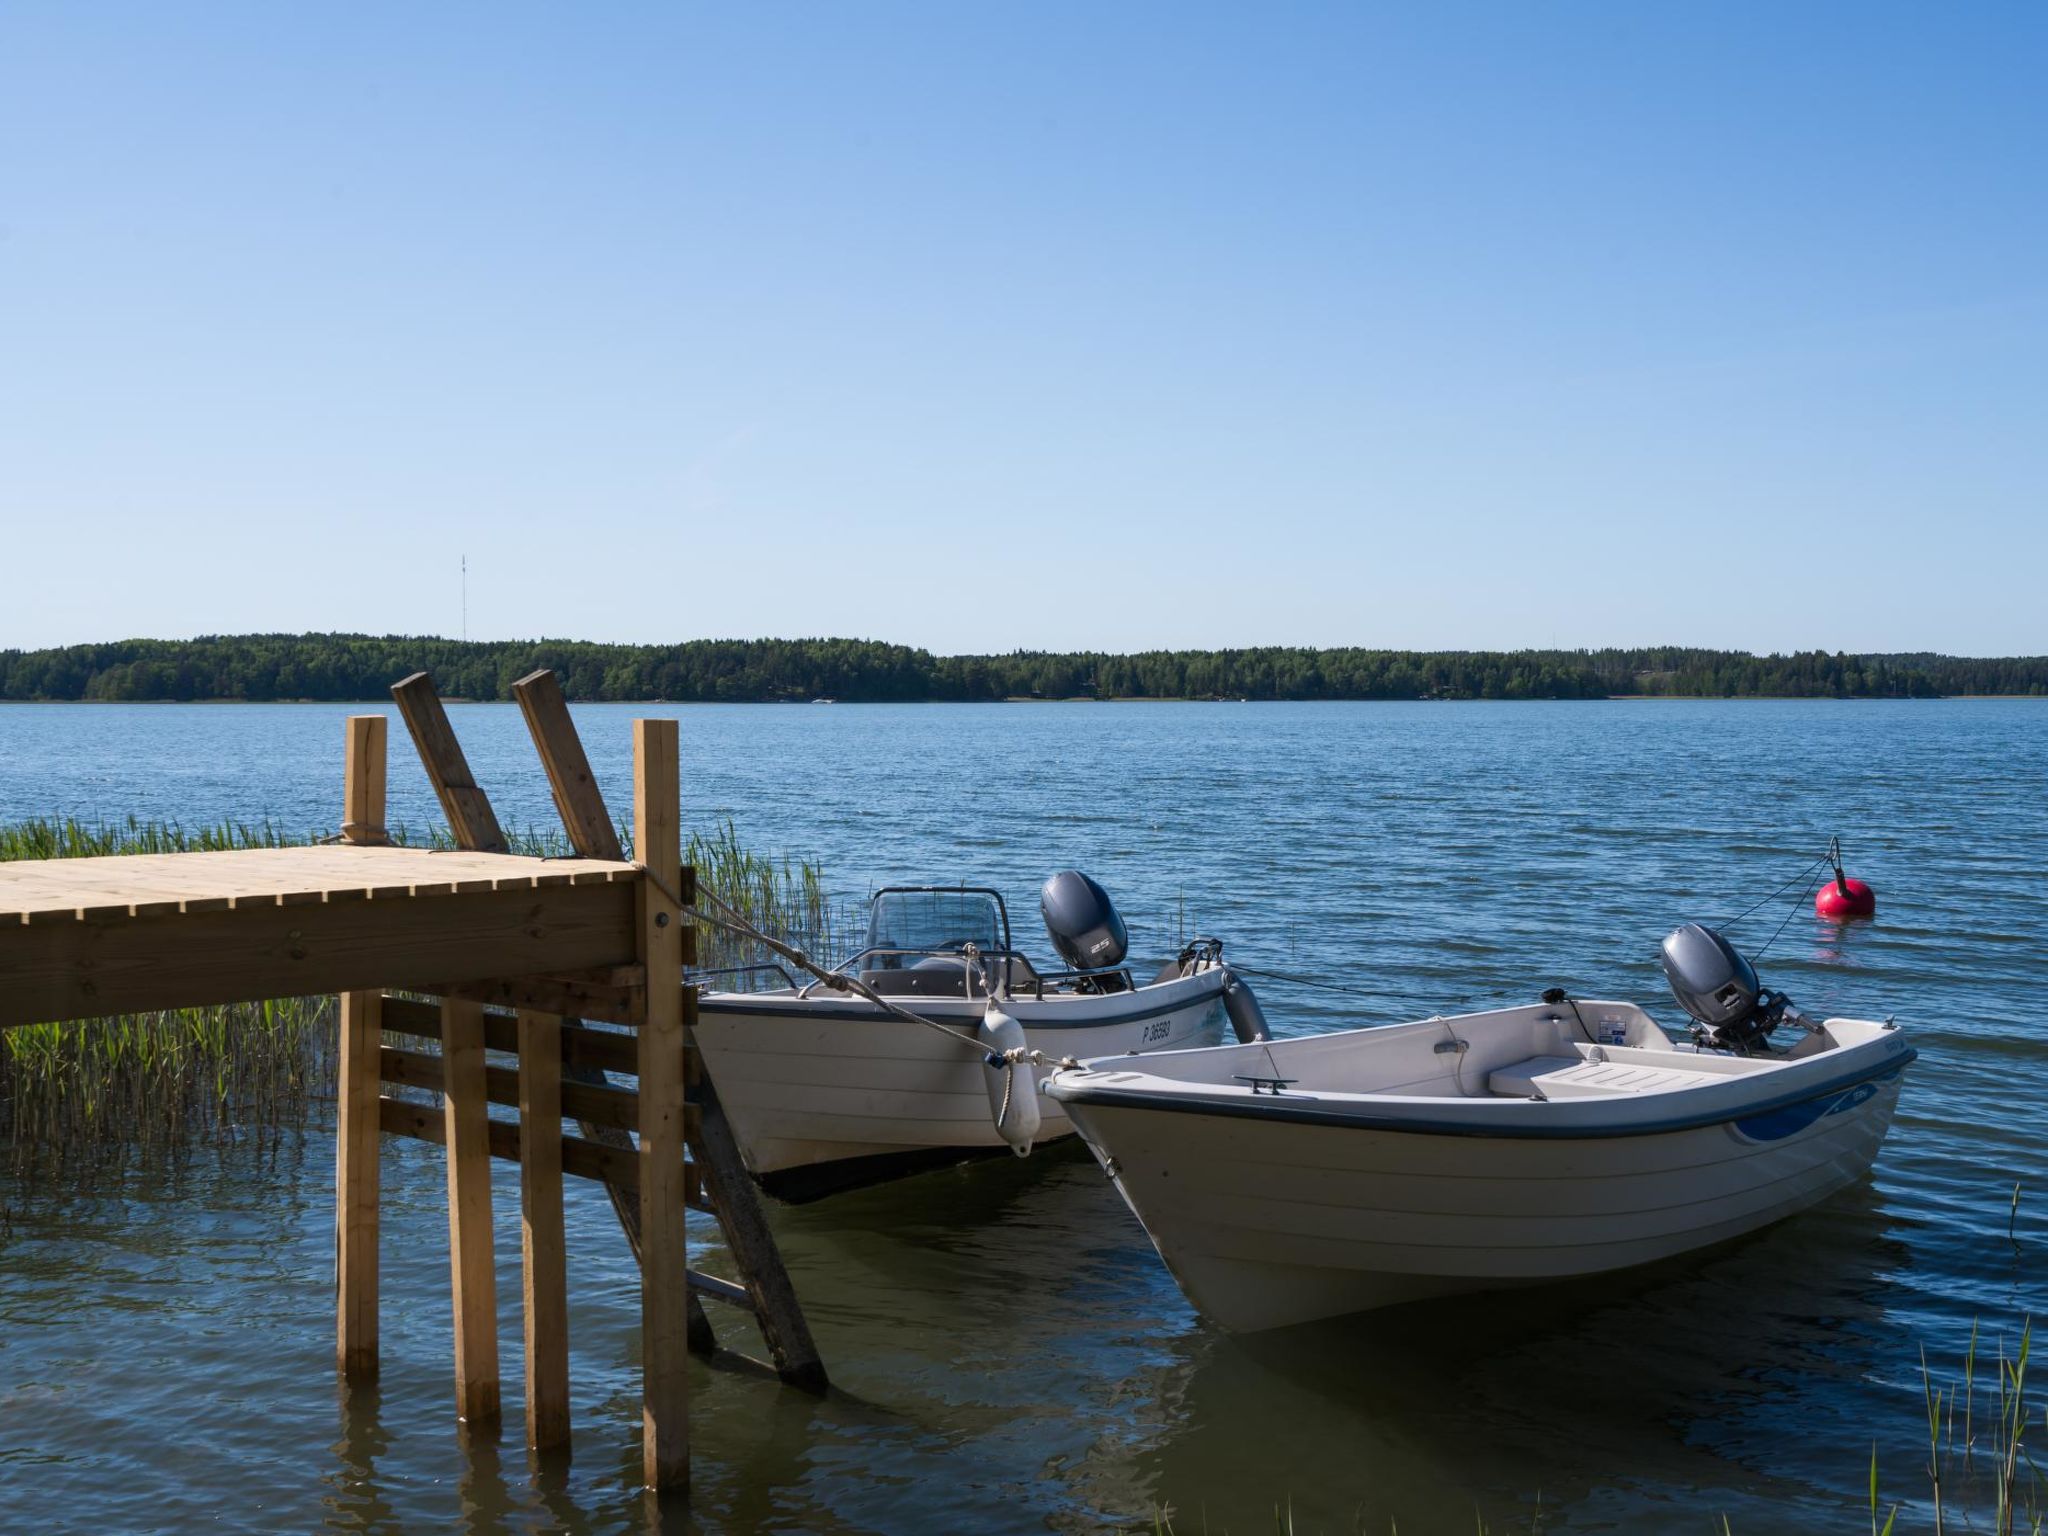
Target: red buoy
<point x="1843" y="898"/>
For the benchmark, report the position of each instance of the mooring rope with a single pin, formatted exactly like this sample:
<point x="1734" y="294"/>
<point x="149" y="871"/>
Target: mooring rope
<point x="1804" y="877"/>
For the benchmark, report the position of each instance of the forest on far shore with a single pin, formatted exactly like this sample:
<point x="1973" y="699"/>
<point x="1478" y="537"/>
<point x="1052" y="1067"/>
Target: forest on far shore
<point x="351" y="667"/>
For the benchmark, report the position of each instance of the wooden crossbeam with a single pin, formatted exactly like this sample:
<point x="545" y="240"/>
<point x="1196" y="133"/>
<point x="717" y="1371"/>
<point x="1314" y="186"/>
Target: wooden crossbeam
<point x="581" y="1158"/>
<point x="609" y="1050"/>
<point x="599" y="1105"/>
<point x="596" y="994"/>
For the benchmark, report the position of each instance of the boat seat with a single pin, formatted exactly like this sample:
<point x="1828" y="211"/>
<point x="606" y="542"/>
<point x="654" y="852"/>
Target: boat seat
<point x="1574" y="1077"/>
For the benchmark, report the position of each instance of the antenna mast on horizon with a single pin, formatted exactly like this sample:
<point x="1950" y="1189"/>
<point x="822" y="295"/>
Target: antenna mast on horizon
<point x="465" y="599"/>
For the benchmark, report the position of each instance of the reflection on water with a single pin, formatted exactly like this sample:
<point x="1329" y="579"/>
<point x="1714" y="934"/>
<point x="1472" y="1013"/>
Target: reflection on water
<point x="1009" y="1354"/>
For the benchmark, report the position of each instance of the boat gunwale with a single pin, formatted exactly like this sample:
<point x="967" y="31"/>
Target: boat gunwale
<point x="1065" y="1088"/>
<point x="965" y="1012"/>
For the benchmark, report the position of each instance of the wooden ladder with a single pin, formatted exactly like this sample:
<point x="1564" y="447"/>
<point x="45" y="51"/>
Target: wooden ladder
<point x="546" y="1026"/>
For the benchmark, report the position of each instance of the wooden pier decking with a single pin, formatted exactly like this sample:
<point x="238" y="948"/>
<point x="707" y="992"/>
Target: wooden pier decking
<point x="552" y="940"/>
<point x="86" y="938"/>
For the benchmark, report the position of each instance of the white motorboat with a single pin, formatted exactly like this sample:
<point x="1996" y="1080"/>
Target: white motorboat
<point x="826" y="1089"/>
<point x="1305" y="1178"/>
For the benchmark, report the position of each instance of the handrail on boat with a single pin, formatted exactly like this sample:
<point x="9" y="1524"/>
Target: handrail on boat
<point x="851" y="966"/>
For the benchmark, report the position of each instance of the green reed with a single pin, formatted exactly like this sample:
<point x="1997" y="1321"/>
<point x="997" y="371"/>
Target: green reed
<point x="153" y="1084"/>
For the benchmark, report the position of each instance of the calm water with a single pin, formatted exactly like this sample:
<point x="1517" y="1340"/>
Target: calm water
<point x="1009" y="1354"/>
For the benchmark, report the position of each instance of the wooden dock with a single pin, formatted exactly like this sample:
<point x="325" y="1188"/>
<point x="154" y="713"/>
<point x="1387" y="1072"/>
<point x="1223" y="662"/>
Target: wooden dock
<point x="497" y="953"/>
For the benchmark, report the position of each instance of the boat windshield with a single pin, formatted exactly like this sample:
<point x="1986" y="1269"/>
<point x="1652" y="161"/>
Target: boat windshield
<point x="928" y="920"/>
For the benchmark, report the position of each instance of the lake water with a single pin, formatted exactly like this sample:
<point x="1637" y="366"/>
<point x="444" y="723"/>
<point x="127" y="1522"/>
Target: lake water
<point x="1008" y="1353"/>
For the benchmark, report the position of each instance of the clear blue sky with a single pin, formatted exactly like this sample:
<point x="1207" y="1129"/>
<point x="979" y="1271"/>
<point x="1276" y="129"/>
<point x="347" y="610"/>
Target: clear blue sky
<point x="981" y="326"/>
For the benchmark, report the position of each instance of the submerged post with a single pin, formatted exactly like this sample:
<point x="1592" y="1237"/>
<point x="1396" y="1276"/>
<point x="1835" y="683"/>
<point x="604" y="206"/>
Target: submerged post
<point x="356" y="1129"/>
<point x="472" y="1266"/>
<point x="541" y="1239"/>
<point x="664" y="1258"/>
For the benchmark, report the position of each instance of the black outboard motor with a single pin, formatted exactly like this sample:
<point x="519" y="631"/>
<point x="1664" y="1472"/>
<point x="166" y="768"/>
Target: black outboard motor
<point x="1718" y="987"/>
<point x="1084" y="926"/>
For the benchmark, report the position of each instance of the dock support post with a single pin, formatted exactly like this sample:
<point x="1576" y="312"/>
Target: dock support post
<point x="540" y="1231"/>
<point x="356" y="1131"/>
<point x="664" y="1257"/>
<point x="472" y="1266"/>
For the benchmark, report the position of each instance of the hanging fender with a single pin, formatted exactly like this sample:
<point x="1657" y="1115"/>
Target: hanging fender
<point x="1247" y="1018"/>
<point x="1012" y="1085"/>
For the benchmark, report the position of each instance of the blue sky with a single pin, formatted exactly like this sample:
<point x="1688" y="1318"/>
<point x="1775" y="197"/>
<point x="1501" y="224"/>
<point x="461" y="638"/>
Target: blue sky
<point x="982" y="326"/>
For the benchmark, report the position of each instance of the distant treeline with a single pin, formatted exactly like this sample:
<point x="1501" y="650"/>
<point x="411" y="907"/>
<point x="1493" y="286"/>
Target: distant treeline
<point x="338" y="667"/>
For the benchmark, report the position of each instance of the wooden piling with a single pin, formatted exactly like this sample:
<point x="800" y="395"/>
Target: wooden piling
<point x="664" y="1256"/>
<point x="542" y="1247"/>
<point x="357" y="1137"/>
<point x="472" y="1266"/>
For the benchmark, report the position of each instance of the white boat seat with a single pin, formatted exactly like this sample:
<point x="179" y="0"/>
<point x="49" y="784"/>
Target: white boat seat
<point x="1573" y="1077"/>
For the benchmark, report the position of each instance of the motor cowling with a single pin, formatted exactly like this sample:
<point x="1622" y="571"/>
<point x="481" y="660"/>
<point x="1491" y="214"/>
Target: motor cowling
<point x="1083" y="922"/>
<point x="1718" y="988"/>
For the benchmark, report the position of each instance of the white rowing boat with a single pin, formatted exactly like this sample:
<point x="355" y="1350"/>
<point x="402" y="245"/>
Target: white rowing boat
<point x="826" y="1090"/>
<point x="1290" y="1180"/>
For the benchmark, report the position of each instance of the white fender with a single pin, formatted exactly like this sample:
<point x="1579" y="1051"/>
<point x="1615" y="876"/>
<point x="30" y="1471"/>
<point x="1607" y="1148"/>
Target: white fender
<point x="1012" y="1085"/>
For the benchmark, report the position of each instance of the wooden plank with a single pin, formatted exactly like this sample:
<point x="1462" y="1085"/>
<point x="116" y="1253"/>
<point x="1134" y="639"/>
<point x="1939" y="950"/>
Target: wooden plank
<point x="357" y="1144"/>
<point x="609" y="1049"/>
<point x="153" y="884"/>
<point x="542" y="1244"/>
<point x="84" y="970"/>
<point x="466" y="806"/>
<point x="598" y="1104"/>
<point x="578" y="800"/>
<point x="664" y="1251"/>
<point x="724" y="1290"/>
<point x="580" y="1159"/>
<point x="554" y="994"/>
<point x="472" y="1266"/>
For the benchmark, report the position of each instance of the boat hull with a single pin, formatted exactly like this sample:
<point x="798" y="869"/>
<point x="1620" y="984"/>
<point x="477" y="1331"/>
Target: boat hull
<point x="826" y="1092"/>
<point x="1267" y="1223"/>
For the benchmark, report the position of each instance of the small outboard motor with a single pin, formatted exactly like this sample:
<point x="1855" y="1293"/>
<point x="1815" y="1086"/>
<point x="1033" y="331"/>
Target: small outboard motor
<point x="1084" y="926"/>
<point x="1718" y="987"/>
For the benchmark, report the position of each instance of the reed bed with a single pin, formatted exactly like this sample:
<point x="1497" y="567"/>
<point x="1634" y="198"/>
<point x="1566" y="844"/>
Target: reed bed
<point x="91" y="1096"/>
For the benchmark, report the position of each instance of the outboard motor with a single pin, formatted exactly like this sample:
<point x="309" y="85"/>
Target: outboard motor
<point x="1084" y="927"/>
<point x="1718" y="987"/>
